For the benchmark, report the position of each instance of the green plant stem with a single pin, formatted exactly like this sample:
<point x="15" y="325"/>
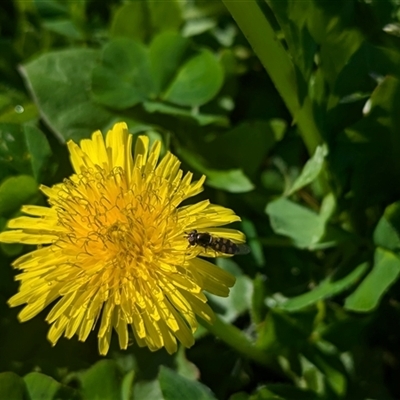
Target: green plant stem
<point x="262" y="38"/>
<point x="235" y="338"/>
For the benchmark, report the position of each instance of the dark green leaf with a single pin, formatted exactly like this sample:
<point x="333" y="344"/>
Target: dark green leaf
<point x="24" y="148"/>
<point x="167" y="52"/>
<point x="123" y="78"/>
<point x="176" y="387"/>
<point x="12" y="387"/>
<point x="384" y="273"/>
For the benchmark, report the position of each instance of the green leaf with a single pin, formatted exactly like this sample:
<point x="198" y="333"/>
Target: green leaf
<point x="63" y="95"/>
<point x="247" y="145"/>
<point x="16" y="191"/>
<point x="201" y="119"/>
<point x="41" y="387"/>
<point x="239" y="299"/>
<point x="311" y="170"/>
<point x="102" y="381"/>
<point x="384" y="273"/>
<point x="197" y="81"/>
<point x="386" y="233"/>
<point x="326" y="289"/>
<point x="167" y="52"/>
<point x="251" y="19"/>
<point x="176" y="387"/>
<point x="165" y="15"/>
<point x="123" y="79"/>
<point x="147" y="390"/>
<point x="130" y="21"/>
<point x="64" y="27"/>
<point x="233" y="181"/>
<point x="24" y="148"/>
<point x="303" y="226"/>
<point x="12" y="387"/>
<point x="283" y="392"/>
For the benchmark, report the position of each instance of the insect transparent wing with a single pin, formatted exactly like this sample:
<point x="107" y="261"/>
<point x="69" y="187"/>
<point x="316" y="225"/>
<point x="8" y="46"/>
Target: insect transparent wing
<point x="242" y="249"/>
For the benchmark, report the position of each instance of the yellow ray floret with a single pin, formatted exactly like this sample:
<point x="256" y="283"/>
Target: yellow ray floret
<point x="116" y="253"/>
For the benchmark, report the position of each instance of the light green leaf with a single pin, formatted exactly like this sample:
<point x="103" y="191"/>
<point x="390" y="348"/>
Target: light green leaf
<point x="386" y="233"/>
<point x="384" y="273"/>
<point x="197" y="82"/>
<point x="325" y="289"/>
<point x="303" y="226"/>
<point x="176" y="387"/>
<point x="63" y="95"/>
<point x="311" y="169"/>
<point x="41" y="386"/>
<point x="16" y="191"/>
<point x="102" y="381"/>
<point x="201" y="119"/>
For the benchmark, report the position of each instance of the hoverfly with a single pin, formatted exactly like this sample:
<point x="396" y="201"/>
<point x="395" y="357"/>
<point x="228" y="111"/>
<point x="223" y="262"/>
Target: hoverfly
<point x="221" y="245"/>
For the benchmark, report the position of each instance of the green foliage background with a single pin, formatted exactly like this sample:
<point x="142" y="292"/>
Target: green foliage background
<point x="292" y="110"/>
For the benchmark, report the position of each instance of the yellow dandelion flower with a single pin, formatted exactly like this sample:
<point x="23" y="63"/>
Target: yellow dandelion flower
<point x="117" y="247"/>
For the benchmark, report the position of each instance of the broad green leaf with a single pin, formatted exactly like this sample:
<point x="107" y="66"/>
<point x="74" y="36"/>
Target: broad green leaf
<point x="147" y="390"/>
<point x="247" y="145"/>
<point x="239" y="299"/>
<point x="166" y="53"/>
<point x="165" y="15"/>
<point x="384" y="273"/>
<point x="15" y="192"/>
<point x="130" y="21"/>
<point x="201" y="119"/>
<point x="326" y="289"/>
<point x="176" y="387"/>
<point x="64" y="27"/>
<point x="280" y="391"/>
<point x="123" y="78"/>
<point x="60" y="84"/>
<point x="233" y="181"/>
<point x="41" y="386"/>
<point x="12" y="387"/>
<point x="311" y="169"/>
<point x="197" y="81"/>
<point x="24" y="148"/>
<point x="303" y="226"/>
<point x="386" y="233"/>
<point x="102" y="381"/>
